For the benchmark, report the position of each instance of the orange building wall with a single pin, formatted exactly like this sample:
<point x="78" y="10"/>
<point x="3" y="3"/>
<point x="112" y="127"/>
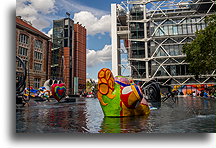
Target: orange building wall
<point x="66" y="70"/>
<point x="80" y="55"/>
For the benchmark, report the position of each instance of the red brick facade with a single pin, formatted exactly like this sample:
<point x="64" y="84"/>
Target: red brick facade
<point x="66" y="75"/>
<point x="80" y="55"/>
<point x="35" y="47"/>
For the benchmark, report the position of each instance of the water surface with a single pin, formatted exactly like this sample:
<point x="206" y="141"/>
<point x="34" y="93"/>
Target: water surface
<point x="188" y="115"/>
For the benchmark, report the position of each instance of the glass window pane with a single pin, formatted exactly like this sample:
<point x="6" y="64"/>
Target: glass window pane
<point x="193" y="28"/>
<point x="184" y="27"/>
<point x="176" y="49"/>
<point x="172" y="51"/>
<point x="203" y="25"/>
<point x="170" y="30"/>
<point x="189" y="28"/>
<point x="166" y="30"/>
<point x="180" y="29"/>
<point x="175" y="31"/>
<point x="199" y="27"/>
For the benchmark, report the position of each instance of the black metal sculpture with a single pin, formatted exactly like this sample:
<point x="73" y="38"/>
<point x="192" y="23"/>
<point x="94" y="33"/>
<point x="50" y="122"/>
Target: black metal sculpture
<point x="152" y="91"/>
<point x="20" y="80"/>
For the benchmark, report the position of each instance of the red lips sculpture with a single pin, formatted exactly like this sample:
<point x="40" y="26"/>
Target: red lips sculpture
<point x="58" y="91"/>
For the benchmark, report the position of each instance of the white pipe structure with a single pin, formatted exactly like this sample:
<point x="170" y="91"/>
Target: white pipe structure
<point x="50" y="82"/>
<point x="115" y="41"/>
<point x="155" y="37"/>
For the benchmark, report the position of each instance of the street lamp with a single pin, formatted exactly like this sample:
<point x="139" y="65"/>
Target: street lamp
<point x="68" y="14"/>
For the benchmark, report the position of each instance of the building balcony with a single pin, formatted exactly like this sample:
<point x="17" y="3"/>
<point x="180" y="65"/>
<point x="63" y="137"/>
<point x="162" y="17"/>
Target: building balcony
<point x="122" y="30"/>
<point x="136" y="18"/>
<point x="137" y="56"/>
<point x="54" y="65"/>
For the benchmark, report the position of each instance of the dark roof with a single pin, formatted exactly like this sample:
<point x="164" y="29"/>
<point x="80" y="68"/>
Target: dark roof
<point x="23" y="24"/>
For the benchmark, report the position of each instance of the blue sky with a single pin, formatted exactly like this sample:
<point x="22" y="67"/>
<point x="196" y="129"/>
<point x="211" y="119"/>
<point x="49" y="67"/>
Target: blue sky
<point x="93" y="14"/>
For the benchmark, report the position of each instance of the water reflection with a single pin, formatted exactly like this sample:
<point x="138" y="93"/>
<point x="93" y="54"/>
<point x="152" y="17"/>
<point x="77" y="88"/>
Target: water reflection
<point x="124" y="124"/>
<point x="52" y="117"/>
<point x="155" y="105"/>
<point x="86" y="116"/>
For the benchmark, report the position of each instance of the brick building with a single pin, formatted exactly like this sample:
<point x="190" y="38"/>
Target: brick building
<point x="69" y="54"/>
<point x="34" y="48"/>
<point x="61" y="63"/>
<point x="80" y="55"/>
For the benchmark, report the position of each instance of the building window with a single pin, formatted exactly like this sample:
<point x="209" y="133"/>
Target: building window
<point x="55" y="57"/>
<point x="23" y="51"/>
<point x="170" y="30"/>
<point x="54" y="72"/>
<point x="166" y="30"/>
<point x="161" y="32"/>
<point x="36" y="82"/>
<point x="171" y="50"/>
<point x="38" y="55"/>
<point x="175" y="30"/>
<point x="65" y="32"/>
<point x="180" y="29"/>
<point x="194" y="28"/>
<point x="193" y="20"/>
<point x="19" y="64"/>
<point x="199" y="27"/>
<point x="184" y="29"/>
<point x="189" y="29"/>
<point x="65" y="42"/>
<point x="37" y="66"/>
<point x="203" y="25"/>
<point x="38" y="44"/>
<point x="26" y="63"/>
<point x="180" y="49"/>
<point x="23" y="38"/>
<point x="176" y="49"/>
<point x="173" y="70"/>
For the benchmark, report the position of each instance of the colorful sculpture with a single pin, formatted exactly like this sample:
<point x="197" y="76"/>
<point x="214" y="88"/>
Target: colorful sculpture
<point x="58" y="91"/>
<point x="41" y="92"/>
<point x="30" y="92"/>
<point x="119" y="96"/>
<point x="44" y="93"/>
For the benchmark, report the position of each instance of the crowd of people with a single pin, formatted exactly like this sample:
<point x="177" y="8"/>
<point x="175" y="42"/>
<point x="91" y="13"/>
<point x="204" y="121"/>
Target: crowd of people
<point x="203" y="93"/>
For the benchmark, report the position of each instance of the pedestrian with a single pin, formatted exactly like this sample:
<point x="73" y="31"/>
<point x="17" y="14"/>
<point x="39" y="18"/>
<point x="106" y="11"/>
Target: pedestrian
<point x="205" y="94"/>
<point x="194" y="94"/>
<point x="202" y="93"/>
<point x="181" y="93"/>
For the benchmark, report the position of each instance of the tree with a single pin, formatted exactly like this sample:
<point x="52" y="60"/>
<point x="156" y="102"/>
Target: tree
<point x="200" y="53"/>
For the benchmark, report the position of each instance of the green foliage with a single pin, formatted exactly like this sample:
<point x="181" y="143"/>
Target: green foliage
<point x="89" y="84"/>
<point x="200" y="53"/>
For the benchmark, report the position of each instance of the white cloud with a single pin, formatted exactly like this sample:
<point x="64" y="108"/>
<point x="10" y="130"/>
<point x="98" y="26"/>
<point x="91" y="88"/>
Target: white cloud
<point x="95" y="57"/>
<point x="50" y="32"/>
<point x="93" y="24"/>
<point x="35" y="6"/>
<point x="43" y="6"/>
<point x="74" y="6"/>
<point x="36" y="11"/>
<point x="41" y="13"/>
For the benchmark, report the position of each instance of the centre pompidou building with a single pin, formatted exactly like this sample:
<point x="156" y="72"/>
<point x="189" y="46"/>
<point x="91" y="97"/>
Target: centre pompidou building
<point x="153" y="33"/>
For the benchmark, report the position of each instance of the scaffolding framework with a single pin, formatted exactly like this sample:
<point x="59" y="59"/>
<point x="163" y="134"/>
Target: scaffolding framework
<point x="154" y="32"/>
